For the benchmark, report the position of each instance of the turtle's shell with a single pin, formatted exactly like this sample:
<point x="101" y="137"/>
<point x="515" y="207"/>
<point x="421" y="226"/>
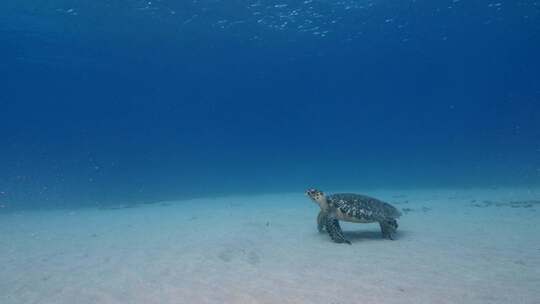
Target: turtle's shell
<point x="361" y="207"/>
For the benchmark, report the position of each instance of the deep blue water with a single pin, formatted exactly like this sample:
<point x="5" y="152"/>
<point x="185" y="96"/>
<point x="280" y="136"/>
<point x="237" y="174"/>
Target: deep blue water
<point x="107" y="101"/>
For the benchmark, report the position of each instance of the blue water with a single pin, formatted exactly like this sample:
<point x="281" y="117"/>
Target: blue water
<point x="107" y="101"/>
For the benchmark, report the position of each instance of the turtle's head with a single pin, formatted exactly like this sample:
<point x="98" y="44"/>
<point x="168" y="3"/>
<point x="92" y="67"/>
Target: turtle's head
<point x="318" y="197"/>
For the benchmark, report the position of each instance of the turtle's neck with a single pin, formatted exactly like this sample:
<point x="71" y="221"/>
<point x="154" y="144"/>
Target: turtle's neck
<point x="324" y="205"/>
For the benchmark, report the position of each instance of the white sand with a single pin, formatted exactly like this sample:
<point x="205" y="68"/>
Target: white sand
<point x="266" y="249"/>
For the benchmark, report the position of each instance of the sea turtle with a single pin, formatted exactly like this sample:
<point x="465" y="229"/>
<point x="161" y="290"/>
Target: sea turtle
<point x="354" y="208"/>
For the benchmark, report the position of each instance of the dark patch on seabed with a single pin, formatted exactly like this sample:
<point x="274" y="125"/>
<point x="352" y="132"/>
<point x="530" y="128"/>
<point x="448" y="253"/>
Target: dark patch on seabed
<point x="511" y="204"/>
<point x="423" y="209"/>
<point x="131" y="205"/>
<point x="231" y="253"/>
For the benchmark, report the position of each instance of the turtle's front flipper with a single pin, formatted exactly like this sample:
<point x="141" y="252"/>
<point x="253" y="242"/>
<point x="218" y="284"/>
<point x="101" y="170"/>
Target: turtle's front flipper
<point x="321" y="221"/>
<point x="334" y="230"/>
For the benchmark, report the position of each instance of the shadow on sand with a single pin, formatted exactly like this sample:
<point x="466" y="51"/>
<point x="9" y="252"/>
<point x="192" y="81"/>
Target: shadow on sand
<point x="371" y="235"/>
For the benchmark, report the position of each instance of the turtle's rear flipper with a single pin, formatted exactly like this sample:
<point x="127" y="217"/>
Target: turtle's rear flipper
<point x="334" y="230"/>
<point x="321" y="221"/>
<point x="388" y="227"/>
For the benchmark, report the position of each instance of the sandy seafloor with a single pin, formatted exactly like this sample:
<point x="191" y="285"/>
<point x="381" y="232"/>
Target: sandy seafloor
<point x="453" y="246"/>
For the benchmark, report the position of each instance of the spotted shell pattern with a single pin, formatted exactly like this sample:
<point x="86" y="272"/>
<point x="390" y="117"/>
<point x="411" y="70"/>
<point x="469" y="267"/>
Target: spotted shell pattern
<point x="362" y="207"/>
